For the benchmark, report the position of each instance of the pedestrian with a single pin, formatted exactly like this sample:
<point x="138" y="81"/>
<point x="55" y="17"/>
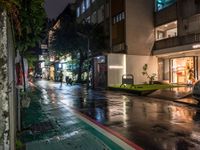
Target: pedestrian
<point x="67" y="79"/>
<point x="61" y="77"/>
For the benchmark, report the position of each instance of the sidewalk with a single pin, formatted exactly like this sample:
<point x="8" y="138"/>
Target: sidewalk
<point x="50" y="125"/>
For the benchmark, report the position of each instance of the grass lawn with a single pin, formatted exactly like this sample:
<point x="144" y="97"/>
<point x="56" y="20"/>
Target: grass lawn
<point x="144" y="87"/>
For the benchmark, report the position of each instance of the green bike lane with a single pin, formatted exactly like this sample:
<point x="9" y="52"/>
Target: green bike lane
<point x="48" y="124"/>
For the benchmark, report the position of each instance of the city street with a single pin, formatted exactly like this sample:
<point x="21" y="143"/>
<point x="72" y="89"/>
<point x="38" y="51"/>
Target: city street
<point x="148" y="122"/>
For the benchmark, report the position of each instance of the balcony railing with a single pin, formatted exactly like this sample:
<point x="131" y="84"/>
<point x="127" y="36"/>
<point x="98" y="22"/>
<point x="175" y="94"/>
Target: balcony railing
<point x="177" y="41"/>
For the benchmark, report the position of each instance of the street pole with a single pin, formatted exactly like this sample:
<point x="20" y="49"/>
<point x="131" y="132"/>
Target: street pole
<point x="88" y="67"/>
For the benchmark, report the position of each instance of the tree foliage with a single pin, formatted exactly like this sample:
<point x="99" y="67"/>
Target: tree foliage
<point x="72" y="37"/>
<point x="28" y="18"/>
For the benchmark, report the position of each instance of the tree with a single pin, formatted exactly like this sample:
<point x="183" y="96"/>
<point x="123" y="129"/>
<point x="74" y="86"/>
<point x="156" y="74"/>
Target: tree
<point x="72" y="37"/>
<point x="28" y="20"/>
<point x="21" y="22"/>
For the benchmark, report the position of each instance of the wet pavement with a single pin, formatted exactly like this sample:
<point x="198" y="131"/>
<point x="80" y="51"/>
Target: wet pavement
<point x="151" y="123"/>
<point x="52" y="126"/>
<point x="173" y="93"/>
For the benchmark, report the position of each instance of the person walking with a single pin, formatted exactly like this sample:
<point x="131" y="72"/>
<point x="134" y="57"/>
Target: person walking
<point x="61" y="77"/>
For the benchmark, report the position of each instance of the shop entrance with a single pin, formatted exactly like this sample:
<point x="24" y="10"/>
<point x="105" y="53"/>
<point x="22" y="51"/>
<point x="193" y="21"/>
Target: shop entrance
<point x="182" y="70"/>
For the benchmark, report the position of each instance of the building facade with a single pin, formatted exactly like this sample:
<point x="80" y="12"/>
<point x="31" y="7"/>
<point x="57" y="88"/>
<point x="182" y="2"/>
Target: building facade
<point x="129" y="41"/>
<point x="165" y="34"/>
<point x="177" y="40"/>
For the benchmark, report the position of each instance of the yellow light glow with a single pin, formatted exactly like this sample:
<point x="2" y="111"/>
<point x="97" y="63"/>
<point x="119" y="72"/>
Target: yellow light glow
<point x="116" y="67"/>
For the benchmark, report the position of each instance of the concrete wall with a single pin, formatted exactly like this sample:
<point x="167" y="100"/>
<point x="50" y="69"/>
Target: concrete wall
<point x="135" y="63"/>
<point x="7" y="86"/>
<point x="139" y="26"/>
<point x="4" y="100"/>
<point x="188" y="17"/>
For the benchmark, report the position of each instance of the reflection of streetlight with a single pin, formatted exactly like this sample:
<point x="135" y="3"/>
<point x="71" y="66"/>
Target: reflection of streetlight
<point x="88" y="51"/>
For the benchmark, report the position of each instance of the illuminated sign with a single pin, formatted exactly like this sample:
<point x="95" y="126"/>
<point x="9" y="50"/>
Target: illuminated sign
<point x="43" y="46"/>
<point x="52" y="58"/>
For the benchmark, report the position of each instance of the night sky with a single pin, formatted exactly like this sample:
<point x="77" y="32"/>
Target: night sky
<point x="55" y="7"/>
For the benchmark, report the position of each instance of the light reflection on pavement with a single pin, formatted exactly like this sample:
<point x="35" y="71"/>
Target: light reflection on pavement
<point x="149" y="122"/>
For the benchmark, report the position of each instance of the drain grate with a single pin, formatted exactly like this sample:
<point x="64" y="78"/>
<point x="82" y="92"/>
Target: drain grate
<point x="42" y="127"/>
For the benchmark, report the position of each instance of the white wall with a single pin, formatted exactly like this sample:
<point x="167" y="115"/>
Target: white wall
<point x="116" y="68"/>
<point x="130" y="64"/>
<point x="135" y="63"/>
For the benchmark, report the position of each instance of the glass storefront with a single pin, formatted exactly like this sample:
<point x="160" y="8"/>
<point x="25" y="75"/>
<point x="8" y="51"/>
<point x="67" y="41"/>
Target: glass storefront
<point x="183" y="70"/>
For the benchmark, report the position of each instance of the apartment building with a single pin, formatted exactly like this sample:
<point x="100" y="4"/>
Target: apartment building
<point x="165" y="34"/>
<point x="129" y="25"/>
<point x="177" y="40"/>
<point x="97" y="12"/>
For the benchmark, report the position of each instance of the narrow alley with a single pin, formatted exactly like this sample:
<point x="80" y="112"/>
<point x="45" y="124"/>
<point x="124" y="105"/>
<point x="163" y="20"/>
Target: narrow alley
<point x="148" y="122"/>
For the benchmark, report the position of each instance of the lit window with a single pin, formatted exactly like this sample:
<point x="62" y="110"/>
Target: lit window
<point x="88" y="19"/>
<point x="123" y="15"/>
<point x="117" y="18"/>
<point x="83" y="7"/>
<point x="161" y="4"/>
<point x="101" y="14"/>
<point x="120" y="17"/>
<point x="78" y="12"/>
<point x="87" y="4"/>
<point x="94" y="17"/>
<point x="114" y="20"/>
<point x="166" y="31"/>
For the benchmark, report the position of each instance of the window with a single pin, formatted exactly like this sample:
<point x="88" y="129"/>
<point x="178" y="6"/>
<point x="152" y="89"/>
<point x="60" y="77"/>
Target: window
<point x="87" y="4"/>
<point x="78" y="12"/>
<point x="114" y="20"/>
<point x="94" y="17"/>
<point x="123" y="15"/>
<point x="166" y="31"/>
<point x="119" y="17"/>
<point x="101" y="14"/>
<point x="83" y="7"/>
<point x="88" y="19"/>
<point x="161" y="4"/>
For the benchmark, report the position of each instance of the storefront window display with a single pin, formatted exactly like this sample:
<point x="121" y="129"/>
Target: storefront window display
<point x="183" y="70"/>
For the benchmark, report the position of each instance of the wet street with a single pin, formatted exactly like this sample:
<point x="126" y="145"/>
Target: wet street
<point x="151" y="123"/>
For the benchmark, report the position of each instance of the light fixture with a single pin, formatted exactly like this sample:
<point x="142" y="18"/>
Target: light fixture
<point x="115" y="67"/>
<point x="196" y="46"/>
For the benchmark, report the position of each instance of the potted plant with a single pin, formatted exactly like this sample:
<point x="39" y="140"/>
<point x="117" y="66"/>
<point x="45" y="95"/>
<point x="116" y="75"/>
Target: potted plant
<point x="151" y="77"/>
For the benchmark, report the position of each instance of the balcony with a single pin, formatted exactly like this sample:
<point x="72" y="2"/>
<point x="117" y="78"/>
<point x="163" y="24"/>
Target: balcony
<point x="177" y="41"/>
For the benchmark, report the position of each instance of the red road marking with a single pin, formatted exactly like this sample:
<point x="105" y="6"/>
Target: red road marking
<point x="127" y="141"/>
